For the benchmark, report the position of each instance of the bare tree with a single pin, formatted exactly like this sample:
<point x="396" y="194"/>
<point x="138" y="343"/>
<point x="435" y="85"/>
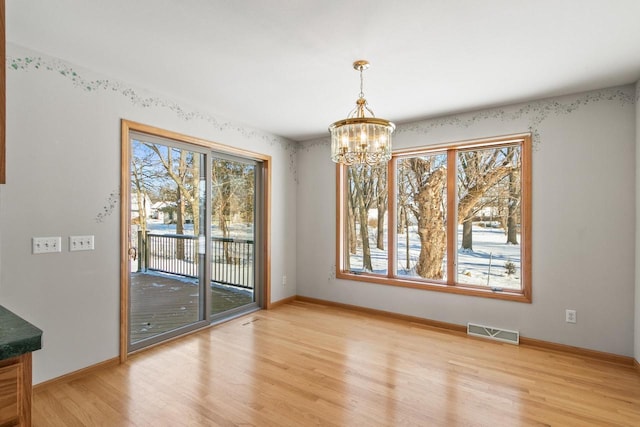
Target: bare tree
<point x="478" y="171"/>
<point x="147" y="182"/>
<point x="379" y="175"/>
<point x="403" y="200"/>
<point x="426" y="183"/>
<point x="361" y="185"/>
<point x="233" y="196"/>
<point x="431" y="226"/>
<point x="186" y="175"/>
<point x="513" y="211"/>
<point x="350" y="227"/>
<point x="141" y="190"/>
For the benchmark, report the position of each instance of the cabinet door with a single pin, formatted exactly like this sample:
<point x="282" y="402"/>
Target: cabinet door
<point x="9" y="394"/>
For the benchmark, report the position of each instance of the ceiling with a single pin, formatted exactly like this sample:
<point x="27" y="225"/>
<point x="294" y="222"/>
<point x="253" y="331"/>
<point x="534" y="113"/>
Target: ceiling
<point x="285" y="66"/>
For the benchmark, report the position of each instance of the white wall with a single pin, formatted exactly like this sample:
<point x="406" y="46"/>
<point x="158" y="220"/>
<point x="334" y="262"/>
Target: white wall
<point x="583" y="222"/>
<point x="63" y="178"/>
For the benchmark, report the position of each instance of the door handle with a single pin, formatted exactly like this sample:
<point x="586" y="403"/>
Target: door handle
<point x="133" y="253"/>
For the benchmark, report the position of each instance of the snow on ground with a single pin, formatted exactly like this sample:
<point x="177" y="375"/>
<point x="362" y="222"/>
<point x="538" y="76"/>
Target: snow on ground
<point x="236" y="231"/>
<point x="484" y="265"/>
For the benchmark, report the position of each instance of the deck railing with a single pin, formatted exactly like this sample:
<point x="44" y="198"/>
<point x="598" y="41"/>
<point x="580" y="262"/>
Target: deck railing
<point x="232" y="259"/>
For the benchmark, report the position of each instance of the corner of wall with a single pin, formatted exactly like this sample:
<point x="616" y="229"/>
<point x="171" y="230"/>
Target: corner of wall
<point x="636" y="333"/>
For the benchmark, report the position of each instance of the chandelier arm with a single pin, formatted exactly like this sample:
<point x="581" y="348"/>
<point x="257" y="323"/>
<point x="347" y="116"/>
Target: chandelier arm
<point x="369" y="110"/>
<point x="354" y="112"/>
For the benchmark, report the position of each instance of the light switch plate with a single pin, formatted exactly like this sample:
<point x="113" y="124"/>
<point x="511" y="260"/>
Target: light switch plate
<point x="81" y="243"/>
<point x="46" y="245"/>
<point x="571" y="316"/>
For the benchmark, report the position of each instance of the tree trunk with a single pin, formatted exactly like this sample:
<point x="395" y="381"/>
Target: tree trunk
<point x="142" y="230"/>
<point x="514" y="197"/>
<point x="382" y="209"/>
<point x="180" y="225"/>
<point x="431" y="227"/>
<point x="351" y="225"/>
<point x="142" y="210"/>
<point x="353" y="239"/>
<point x="400" y="225"/>
<point x="364" y="236"/>
<point x="381" y="202"/>
<point x="467" y="234"/>
<point x="195" y="194"/>
<point x="406" y="238"/>
<point x="364" y="227"/>
<point x="350" y="232"/>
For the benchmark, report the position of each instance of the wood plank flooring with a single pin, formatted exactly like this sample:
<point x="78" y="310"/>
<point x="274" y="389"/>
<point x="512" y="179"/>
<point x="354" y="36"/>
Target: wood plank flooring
<point x="305" y="364"/>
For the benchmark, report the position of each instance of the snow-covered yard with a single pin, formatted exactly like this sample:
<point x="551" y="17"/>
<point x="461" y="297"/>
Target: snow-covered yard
<point x="485" y="265"/>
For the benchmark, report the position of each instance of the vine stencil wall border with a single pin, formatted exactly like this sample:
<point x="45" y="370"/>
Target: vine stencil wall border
<point x="536" y="112"/>
<point x="109" y="207"/>
<point x="62" y="68"/>
<point x="26" y="63"/>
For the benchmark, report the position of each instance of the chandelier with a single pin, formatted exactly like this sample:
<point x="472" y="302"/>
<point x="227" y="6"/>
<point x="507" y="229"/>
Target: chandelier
<point x="360" y="139"/>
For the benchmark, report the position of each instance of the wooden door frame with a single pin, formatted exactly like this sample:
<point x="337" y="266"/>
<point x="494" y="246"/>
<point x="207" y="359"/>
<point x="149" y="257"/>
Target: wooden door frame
<point x="126" y="126"/>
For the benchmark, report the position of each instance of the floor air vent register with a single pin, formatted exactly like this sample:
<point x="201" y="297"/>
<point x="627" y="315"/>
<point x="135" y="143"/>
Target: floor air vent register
<point x="496" y="334"/>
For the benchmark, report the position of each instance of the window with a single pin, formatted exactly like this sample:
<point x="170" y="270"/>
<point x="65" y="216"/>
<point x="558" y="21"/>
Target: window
<point x="452" y="218"/>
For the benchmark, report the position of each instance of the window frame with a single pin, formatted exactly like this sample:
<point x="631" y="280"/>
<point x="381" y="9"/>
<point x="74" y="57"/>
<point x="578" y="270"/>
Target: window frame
<point x="391" y="278"/>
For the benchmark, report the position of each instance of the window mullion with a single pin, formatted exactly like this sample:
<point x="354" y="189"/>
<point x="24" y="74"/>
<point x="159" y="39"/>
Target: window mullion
<point x="391" y="218"/>
<point x="340" y="217"/>
<point x="452" y="216"/>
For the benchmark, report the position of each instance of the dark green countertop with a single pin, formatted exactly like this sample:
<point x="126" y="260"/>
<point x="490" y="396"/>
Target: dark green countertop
<point x="17" y="336"/>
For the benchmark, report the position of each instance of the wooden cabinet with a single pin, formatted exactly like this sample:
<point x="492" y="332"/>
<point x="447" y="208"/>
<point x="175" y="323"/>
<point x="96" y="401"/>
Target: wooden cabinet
<point x="10" y="404"/>
<point x="18" y="338"/>
<point x="15" y="391"/>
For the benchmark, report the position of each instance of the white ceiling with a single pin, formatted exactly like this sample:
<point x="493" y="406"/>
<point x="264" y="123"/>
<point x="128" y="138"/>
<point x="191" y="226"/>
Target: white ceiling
<point x="284" y="66"/>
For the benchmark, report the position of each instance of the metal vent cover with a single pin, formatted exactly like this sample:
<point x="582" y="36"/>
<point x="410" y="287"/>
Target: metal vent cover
<point x="497" y="334"/>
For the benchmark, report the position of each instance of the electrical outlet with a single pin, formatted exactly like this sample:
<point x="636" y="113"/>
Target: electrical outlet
<point x="284" y="281"/>
<point x="46" y="245"/>
<point x="81" y="243"/>
<point x="571" y="316"/>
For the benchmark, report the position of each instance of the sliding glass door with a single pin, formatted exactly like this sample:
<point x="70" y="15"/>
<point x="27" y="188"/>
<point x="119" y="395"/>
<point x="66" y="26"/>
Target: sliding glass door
<point x="192" y="231"/>
<point x="233" y="226"/>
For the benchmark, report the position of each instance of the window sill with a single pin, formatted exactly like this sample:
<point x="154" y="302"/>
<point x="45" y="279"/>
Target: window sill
<point x="459" y="289"/>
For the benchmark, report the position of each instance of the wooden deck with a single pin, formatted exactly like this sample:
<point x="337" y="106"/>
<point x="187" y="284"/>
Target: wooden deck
<point x="161" y="303"/>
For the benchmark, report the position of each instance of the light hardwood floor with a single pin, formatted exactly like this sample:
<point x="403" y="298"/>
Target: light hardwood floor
<point x="307" y="364"/>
